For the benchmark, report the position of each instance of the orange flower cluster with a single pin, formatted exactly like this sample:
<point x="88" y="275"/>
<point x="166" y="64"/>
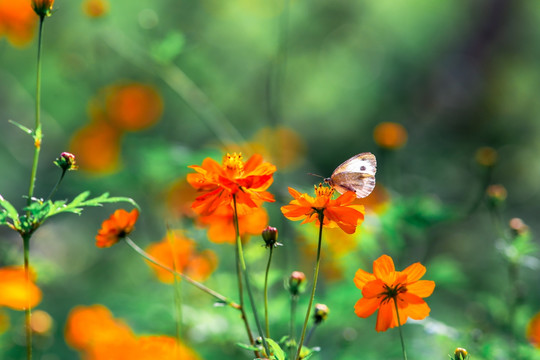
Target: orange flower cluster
<point x="94" y="332"/>
<point x="117" y="108"/>
<point x="116" y="227"/>
<point x="533" y="331"/>
<point x="386" y="287"/>
<point x="339" y="212"/>
<point x="221" y="184"/>
<point x="15" y="292"/>
<point x="179" y="253"/>
<point x="17" y="21"/>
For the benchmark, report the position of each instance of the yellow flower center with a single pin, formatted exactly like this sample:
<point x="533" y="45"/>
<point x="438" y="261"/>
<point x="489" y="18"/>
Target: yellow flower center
<point x="323" y="191"/>
<point x="233" y="162"/>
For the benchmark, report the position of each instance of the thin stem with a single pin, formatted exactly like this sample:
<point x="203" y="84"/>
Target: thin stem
<point x="310" y="334"/>
<point x="400" y="332"/>
<point x="56" y="185"/>
<point x="197" y="284"/>
<point x="27" y="310"/>
<point x="242" y="262"/>
<point x="37" y="131"/>
<point x="266" y="292"/>
<point x="315" y="277"/>
<point x="292" y="331"/>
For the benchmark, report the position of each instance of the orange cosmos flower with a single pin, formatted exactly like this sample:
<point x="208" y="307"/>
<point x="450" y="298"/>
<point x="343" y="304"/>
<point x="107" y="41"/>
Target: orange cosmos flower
<point x="221" y="227"/>
<point x="533" y="331"/>
<point x="17" y="21"/>
<point x="390" y="135"/>
<point x="386" y="286"/>
<point x="116" y="227"/>
<point x="15" y="292"/>
<point x="88" y="326"/>
<point x="247" y="181"/>
<point x="339" y="212"/>
<point x="179" y="253"/>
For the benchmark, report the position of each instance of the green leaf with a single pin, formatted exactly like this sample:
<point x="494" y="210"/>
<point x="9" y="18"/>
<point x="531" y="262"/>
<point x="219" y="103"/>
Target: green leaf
<point x="22" y="127"/>
<point x="11" y="212"/>
<point x="278" y="354"/>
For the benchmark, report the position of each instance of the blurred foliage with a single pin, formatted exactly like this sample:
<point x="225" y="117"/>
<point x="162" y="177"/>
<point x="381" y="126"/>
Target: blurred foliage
<point x="458" y="76"/>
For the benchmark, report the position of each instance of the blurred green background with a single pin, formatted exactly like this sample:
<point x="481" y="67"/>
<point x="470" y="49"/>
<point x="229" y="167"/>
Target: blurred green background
<point x="458" y="75"/>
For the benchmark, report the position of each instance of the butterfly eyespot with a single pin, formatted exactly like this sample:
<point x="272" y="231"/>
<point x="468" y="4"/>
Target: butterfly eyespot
<point x="362" y="168"/>
<point x="355" y="174"/>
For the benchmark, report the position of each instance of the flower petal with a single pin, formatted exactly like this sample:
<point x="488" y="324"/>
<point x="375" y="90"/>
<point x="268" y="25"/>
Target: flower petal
<point x="422" y="288"/>
<point x="383" y="268"/>
<point x="414" y="272"/>
<point x="361" y="278"/>
<point x="373" y="289"/>
<point x="366" y="307"/>
<point x="385" y="317"/>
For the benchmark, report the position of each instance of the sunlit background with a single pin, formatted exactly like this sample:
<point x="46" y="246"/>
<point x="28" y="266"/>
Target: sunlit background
<point x="444" y="93"/>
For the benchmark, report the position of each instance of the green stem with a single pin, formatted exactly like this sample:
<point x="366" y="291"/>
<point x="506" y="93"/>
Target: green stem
<point x="27" y="310"/>
<point x="197" y="284"/>
<point x="37" y="131"/>
<point x="56" y="185"/>
<point x="242" y="262"/>
<point x="292" y="331"/>
<point x="400" y="332"/>
<point x="266" y="292"/>
<point x="315" y="277"/>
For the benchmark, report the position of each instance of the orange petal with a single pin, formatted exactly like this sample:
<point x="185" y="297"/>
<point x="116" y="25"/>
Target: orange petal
<point x="383" y="268"/>
<point x="385" y="317"/>
<point x="414" y="272"/>
<point x="417" y="311"/>
<point x="366" y="307"/>
<point x="362" y="277"/>
<point x="422" y="288"/>
<point x="373" y="289"/>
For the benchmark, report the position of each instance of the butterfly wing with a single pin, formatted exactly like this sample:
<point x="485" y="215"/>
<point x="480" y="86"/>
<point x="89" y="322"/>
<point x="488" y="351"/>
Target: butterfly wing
<point x="356" y="174"/>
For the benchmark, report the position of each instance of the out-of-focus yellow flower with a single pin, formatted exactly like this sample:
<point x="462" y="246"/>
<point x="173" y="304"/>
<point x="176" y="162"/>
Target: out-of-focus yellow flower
<point x="390" y="135"/>
<point x="41" y="322"/>
<point x="15" y="291"/>
<point x="178" y="252"/>
<point x="95" y="8"/>
<point x="486" y="156"/>
<point x="17" y="21"/>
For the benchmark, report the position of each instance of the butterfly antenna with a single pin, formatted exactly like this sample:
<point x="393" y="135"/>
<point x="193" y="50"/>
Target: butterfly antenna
<point x="322" y="177"/>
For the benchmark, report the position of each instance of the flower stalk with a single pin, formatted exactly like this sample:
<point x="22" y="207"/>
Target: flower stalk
<point x="267" y="322"/>
<point x="400" y="332"/>
<point x="197" y="284"/>
<point x="315" y="277"/>
<point x="243" y="270"/>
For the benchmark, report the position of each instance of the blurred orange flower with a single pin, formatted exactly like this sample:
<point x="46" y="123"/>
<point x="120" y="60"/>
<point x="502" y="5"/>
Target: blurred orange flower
<point x="97" y="147"/>
<point x="179" y="253"/>
<point x="179" y="198"/>
<point x="339" y="212"/>
<point x="17" y="21"/>
<point x="94" y="332"/>
<point x="221" y="227"/>
<point x="15" y="292"/>
<point x="132" y="106"/>
<point x="247" y="181"/>
<point x="386" y="287"/>
<point x="390" y="135"/>
<point x="533" y="331"/>
<point x="95" y="8"/>
<point x="116" y="227"/>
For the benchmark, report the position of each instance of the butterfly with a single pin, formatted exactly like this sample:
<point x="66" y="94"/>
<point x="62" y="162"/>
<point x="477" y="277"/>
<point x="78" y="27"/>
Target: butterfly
<point x="356" y="174"/>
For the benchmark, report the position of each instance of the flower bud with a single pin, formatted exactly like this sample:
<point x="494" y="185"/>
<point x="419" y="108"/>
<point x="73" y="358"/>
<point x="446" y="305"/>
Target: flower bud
<point x="496" y="195"/>
<point x="296" y="283"/>
<point x="460" y="354"/>
<point x="321" y="313"/>
<point x="269" y="236"/>
<point x="518" y="227"/>
<point x="66" y="161"/>
<point x="42" y="7"/>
